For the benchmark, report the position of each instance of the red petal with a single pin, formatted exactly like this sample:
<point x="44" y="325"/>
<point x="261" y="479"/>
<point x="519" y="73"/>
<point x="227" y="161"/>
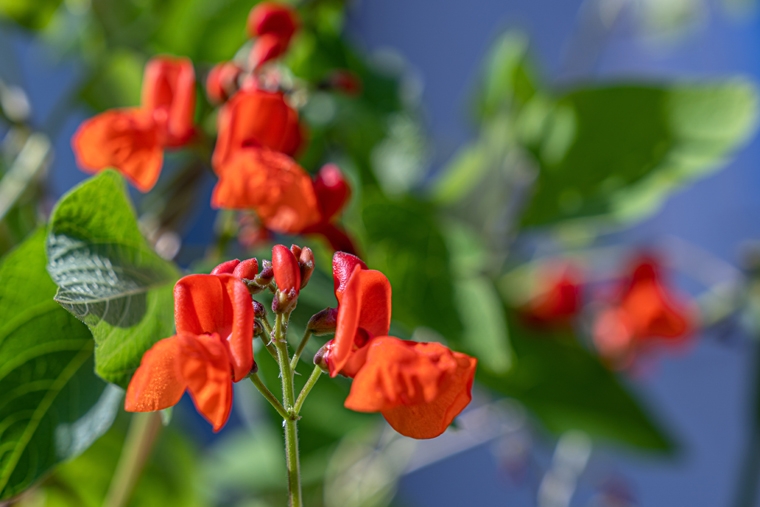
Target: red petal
<point x="226" y="267"/>
<point x="419" y="387"/>
<point x="332" y="191"/>
<point x="343" y="265"/>
<point x="272" y="18"/>
<point x="156" y="384"/>
<point x="222" y="81"/>
<point x="169" y="94"/>
<point x="125" y="139"/>
<point x="265" y="49"/>
<point x="248" y="269"/>
<point x="366" y="305"/>
<point x="205" y="366"/>
<point x="205" y="304"/>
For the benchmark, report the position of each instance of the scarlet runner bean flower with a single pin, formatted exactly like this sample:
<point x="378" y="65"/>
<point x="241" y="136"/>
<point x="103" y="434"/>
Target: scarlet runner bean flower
<point x="332" y="192"/>
<point x="132" y="140"/>
<point x="645" y="312"/>
<point x="273" y="25"/>
<point x="560" y="298"/>
<point x="256" y="118"/>
<point x="418" y="387"/>
<point x="212" y="349"/>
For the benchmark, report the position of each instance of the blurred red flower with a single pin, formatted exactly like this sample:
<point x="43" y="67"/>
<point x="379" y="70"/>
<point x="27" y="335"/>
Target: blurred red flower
<point x="273" y="25"/>
<point x="132" y="140"/>
<point x="559" y="299"/>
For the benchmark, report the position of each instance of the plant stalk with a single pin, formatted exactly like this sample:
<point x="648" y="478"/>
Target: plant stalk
<point x="138" y="445"/>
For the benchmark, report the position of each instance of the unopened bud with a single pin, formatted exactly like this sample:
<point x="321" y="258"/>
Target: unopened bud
<point x="323" y="322"/>
<point x="284" y="301"/>
<point x="306" y="265"/>
<point x="258" y="310"/>
<point x="226" y="268"/>
<point x="267" y="274"/>
<point x="258" y="328"/>
<point x="322" y="357"/>
<point x="247" y="270"/>
<point x="296" y="250"/>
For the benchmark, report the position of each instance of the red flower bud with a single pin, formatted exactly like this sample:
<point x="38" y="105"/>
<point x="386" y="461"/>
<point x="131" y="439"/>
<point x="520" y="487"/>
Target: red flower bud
<point x="306" y="264"/>
<point x="323" y="322"/>
<point x="287" y="274"/>
<point x="270" y="18"/>
<point x="247" y="270"/>
<point x="222" y="82"/>
<point x="226" y="267"/>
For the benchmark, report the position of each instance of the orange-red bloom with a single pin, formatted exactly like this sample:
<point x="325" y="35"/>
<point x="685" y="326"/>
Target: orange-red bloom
<point x="271" y="183"/>
<point x="253" y="118"/>
<point x="559" y="302"/>
<point x="418" y="387"/>
<point x="364" y="312"/>
<point x="132" y="140"/>
<point x="212" y="348"/>
<point x="645" y="312"/>
<point x="274" y="24"/>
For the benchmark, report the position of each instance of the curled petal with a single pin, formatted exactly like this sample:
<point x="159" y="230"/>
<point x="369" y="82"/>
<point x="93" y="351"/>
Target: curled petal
<point x="287" y="273"/>
<point x="156" y="384"/>
<point x="205" y="304"/>
<point x="272" y="184"/>
<point x="125" y="139"/>
<point x="169" y="94"/>
<point x="226" y="268"/>
<point x="205" y="366"/>
<point x="343" y="265"/>
<point x="364" y="313"/>
<point x="419" y="387"/>
<point x="254" y="117"/>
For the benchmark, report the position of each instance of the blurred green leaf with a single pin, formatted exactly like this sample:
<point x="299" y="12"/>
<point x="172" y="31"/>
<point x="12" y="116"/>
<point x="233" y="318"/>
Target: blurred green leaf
<point x="170" y="477"/>
<point x="618" y="151"/>
<point x="117" y="82"/>
<point x="108" y="276"/>
<point x="567" y="388"/>
<point x="407" y="245"/>
<point x="33" y="15"/>
<point x="52" y="406"/>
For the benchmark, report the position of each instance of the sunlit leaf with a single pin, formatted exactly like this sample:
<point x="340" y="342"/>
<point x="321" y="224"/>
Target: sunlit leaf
<point x="52" y="406"/>
<point x="108" y="276"/>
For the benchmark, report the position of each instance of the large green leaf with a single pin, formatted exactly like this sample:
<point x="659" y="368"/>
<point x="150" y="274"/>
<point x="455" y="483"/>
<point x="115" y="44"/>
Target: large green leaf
<point x="34" y="15"/>
<point x="52" y="406"/>
<point x="618" y="151"/>
<point x="567" y="388"/>
<point x="108" y="276"/>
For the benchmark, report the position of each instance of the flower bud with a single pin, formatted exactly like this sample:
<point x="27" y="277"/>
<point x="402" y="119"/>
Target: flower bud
<point x="323" y="322"/>
<point x="267" y="274"/>
<point x="322" y="357"/>
<point x="258" y="310"/>
<point x="306" y="265"/>
<point x="271" y="18"/>
<point x="247" y="270"/>
<point x="258" y="328"/>
<point x="225" y="268"/>
<point x="287" y="274"/>
<point x="296" y="250"/>
<point x="344" y="81"/>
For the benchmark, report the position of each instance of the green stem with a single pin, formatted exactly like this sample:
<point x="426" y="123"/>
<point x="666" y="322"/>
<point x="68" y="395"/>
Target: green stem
<point x="749" y="477"/>
<point x="299" y="350"/>
<point x="315" y="374"/>
<point x="143" y="431"/>
<point x="288" y="394"/>
<point x="271" y="398"/>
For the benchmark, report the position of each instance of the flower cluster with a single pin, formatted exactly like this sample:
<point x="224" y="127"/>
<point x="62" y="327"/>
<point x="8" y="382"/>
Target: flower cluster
<point x="418" y="387"/>
<point x="641" y="313"/>
<point x="258" y="134"/>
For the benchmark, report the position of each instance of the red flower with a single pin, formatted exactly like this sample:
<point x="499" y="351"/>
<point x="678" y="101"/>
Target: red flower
<point x="560" y="301"/>
<point x="252" y="118"/>
<point x="131" y="140"/>
<point x="645" y="312"/>
<point x="271" y="183"/>
<point x="287" y="273"/>
<point x="364" y="312"/>
<point x="418" y="387"/>
<point x="212" y="348"/>
<point x="332" y="192"/>
<point x="274" y="25"/>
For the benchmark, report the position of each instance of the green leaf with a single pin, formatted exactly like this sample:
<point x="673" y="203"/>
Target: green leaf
<point x="34" y="15"/>
<point x="108" y="276"/>
<point x="52" y="406"/>
<point x="567" y="388"/>
<point x="618" y="151"/>
<point x="406" y="244"/>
